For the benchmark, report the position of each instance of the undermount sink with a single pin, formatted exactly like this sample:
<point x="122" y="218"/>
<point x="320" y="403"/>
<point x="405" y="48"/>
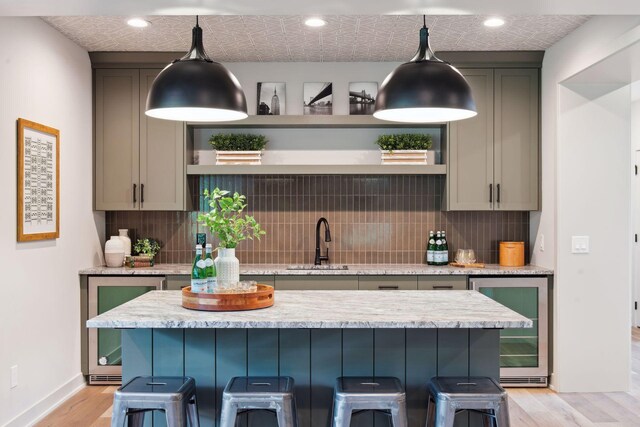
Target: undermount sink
<point x="317" y="267"/>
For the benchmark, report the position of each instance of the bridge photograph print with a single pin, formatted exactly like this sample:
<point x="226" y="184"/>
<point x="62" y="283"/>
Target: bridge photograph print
<point x="318" y="98"/>
<point x="362" y="97"/>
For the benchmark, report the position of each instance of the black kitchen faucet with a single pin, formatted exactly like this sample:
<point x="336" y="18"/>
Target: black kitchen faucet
<point x="327" y="238"/>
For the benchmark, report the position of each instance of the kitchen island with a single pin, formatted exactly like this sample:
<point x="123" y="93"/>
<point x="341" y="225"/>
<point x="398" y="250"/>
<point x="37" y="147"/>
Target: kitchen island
<point x="315" y="337"/>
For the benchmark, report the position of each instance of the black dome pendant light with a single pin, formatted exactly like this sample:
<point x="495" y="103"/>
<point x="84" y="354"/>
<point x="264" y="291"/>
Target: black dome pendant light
<point x="196" y="89"/>
<point x="424" y="90"/>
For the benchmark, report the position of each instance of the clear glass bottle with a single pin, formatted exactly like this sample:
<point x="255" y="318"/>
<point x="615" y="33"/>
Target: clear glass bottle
<point x="445" y="249"/>
<point x="199" y="272"/>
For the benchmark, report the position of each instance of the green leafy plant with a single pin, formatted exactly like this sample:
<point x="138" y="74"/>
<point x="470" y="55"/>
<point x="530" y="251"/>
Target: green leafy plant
<point x="238" y="142"/>
<point x="225" y="220"/>
<point x="405" y="141"/>
<point x="146" y="247"/>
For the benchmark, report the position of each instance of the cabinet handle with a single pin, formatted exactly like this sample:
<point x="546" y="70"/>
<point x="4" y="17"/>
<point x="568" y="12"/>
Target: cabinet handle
<point x="498" y="195"/>
<point x="388" y="287"/>
<point x="442" y="286"/>
<point x="490" y="193"/>
<point x="141" y="194"/>
<point x="134" y="194"/>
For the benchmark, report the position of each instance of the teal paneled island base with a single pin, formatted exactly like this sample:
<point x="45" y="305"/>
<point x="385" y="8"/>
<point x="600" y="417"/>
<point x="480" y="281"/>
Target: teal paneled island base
<point x="315" y="337"/>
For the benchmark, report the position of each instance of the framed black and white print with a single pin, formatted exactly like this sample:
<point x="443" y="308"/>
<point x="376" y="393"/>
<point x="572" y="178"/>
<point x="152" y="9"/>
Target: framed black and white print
<point x="272" y="99"/>
<point x="362" y="97"/>
<point x="318" y="98"/>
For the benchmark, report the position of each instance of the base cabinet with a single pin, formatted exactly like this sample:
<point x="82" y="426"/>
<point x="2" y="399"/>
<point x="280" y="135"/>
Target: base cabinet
<point x="316" y="283"/>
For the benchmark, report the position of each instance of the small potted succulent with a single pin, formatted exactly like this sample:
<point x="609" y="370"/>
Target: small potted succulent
<point x="146" y="250"/>
<point x="238" y="148"/>
<point x="406" y="149"/>
<point x="227" y="223"/>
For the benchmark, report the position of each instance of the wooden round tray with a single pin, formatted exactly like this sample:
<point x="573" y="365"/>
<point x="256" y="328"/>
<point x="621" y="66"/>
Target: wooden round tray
<point x="262" y="298"/>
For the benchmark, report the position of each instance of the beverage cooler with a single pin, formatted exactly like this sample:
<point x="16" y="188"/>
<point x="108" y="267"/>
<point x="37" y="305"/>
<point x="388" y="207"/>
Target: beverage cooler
<point x="105" y="351"/>
<point x="524" y="352"/>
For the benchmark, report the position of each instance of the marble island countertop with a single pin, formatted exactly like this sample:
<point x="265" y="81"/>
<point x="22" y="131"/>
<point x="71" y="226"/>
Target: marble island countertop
<point x="322" y="309"/>
<point x="352" y="270"/>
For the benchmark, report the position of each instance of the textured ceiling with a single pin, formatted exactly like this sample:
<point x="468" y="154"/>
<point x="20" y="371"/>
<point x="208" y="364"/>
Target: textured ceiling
<point x="344" y="38"/>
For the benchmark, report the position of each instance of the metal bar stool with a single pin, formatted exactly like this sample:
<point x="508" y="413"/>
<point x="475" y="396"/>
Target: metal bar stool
<point x="173" y="395"/>
<point x="450" y="395"/>
<point x="273" y="394"/>
<point x="369" y="394"/>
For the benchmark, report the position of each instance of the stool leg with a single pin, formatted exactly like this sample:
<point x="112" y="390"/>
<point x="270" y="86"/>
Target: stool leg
<point x="341" y="414"/>
<point x="119" y="413"/>
<point x="136" y="419"/>
<point x="228" y="414"/>
<point x="175" y="414"/>
<point x="445" y="414"/>
<point x="192" y="412"/>
<point x="286" y="414"/>
<point x="502" y="413"/>
<point x="399" y="414"/>
<point x="431" y="411"/>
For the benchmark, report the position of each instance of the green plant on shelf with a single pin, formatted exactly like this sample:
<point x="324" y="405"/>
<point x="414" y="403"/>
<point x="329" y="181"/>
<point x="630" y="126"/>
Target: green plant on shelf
<point x="238" y="142"/>
<point x="225" y="219"/>
<point x="405" y="141"/>
<point x="147" y="247"/>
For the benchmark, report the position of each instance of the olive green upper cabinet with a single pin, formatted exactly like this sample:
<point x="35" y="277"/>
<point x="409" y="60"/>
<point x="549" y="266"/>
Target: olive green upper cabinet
<point x="139" y="160"/>
<point x="493" y="157"/>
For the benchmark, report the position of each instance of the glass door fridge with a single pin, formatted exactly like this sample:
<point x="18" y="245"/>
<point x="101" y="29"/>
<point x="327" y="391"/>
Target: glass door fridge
<point x="524" y="351"/>
<point x="105" y="351"/>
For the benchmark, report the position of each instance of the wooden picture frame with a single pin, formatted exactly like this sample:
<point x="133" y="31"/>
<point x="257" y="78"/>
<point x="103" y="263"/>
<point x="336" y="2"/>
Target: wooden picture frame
<point x="38" y="182"/>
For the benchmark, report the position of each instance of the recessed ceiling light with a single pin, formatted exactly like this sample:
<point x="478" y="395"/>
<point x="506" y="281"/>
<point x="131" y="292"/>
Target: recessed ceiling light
<point x="138" y="22"/>
<point x="315" y="22"/>
<point x="494" y="22"/>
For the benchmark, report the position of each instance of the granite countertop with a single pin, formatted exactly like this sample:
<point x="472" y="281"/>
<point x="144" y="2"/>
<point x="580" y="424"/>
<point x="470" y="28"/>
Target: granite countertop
<point x="353" y="270"/>
<point x="322" y="309"/>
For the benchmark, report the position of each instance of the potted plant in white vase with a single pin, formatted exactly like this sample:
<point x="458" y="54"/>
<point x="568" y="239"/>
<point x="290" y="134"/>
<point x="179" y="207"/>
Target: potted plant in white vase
<point x="230" y="227"/>
<point x="238" y="148"/>
<point x="406" y="149"/>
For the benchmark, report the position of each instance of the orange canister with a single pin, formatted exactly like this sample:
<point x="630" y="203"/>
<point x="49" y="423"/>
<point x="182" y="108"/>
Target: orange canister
<point x="511" y="254"/>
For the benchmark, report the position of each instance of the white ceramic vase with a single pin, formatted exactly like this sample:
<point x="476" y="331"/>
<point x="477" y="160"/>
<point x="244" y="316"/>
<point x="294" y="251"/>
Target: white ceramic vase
<point x="227" y="269"/>
<point x="114" y="252"/>
<point x="126" y="241"/>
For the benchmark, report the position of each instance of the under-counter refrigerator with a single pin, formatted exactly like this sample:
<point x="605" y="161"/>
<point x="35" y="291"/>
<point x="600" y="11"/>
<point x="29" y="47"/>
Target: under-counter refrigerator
<point x="524" y="352"/>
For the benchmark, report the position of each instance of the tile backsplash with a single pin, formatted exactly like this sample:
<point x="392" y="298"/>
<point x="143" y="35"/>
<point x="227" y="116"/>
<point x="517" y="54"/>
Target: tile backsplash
<point x="373" y="219"/>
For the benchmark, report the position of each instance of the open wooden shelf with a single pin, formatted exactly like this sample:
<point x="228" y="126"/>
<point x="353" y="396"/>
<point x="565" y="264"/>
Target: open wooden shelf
<point x="312" y="122"/>
<point x="316" y="169"/>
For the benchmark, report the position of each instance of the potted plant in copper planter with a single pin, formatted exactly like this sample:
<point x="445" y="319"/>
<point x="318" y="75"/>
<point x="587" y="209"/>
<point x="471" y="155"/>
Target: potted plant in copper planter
<point x="406" y="149"/>
<point x="238" y="148"/>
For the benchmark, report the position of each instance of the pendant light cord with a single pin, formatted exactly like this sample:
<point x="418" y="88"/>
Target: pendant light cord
<point x="424" y="21"/>
<point x="197" y="21"/>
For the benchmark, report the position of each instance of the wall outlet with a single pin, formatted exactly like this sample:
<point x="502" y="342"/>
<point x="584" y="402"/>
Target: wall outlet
<point x="14" y="376"/>
<point x="580" y="244"/>
<point x="542" y="243"/>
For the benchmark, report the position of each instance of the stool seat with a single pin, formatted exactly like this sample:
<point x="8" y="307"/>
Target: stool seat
<point x="176" y="396"/>
<point x="369" y="393"/>
<point x="449" y="395"/>
<point x="273" y="394"/>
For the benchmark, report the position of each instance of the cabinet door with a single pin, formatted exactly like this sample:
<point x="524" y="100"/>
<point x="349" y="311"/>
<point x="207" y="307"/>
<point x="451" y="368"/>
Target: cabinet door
<point x="117" y="139"/>
<point x="162" y="177"/>
<point x="516" y="173"/>
<point x="470" y="149"/>
<point x="316" y="283"/>
<point x="381" y="283"/>
<point x="433" y="283"/>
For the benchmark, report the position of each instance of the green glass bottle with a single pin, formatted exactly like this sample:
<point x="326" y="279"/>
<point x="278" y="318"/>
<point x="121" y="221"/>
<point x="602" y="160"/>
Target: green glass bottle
<point x="445" y="249"/>
<point x="437" y="254"/>
<point x="431" y="248"/>
<point x="199" y="272"/>
<point x="210" y="268"/>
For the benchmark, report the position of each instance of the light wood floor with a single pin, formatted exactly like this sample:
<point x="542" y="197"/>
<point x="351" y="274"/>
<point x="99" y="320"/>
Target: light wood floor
<point x="530" y="407"/>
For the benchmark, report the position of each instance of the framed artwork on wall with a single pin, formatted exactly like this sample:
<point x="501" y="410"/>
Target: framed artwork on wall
<point x="272" y="99"/>
<point x="362" y="97"/>
<point x="38" y="182"/>
<point x="318" y="98"/>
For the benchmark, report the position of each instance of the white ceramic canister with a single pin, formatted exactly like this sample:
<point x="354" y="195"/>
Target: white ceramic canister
<point x="126" y="241"/>
<point x="114" y="252"/>
<point x="227" y="269"/>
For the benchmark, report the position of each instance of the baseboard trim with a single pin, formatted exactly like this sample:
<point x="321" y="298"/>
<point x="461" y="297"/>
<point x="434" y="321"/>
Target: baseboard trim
<point x="45" y="406"/>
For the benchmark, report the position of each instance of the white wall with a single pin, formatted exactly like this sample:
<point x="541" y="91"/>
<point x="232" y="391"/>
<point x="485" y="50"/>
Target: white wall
<point x="46" y="78"/>
<point x="586" y="191"/>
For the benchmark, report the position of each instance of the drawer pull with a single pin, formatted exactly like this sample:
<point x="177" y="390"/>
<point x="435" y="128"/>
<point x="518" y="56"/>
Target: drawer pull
<point x="383" y="287"/>
<point x="442" y="286"/>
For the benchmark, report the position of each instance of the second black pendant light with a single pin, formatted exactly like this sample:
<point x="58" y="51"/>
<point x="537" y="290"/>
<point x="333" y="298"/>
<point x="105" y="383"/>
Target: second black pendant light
<point x="195" y="88"/>
<point x="424" y="90"/>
